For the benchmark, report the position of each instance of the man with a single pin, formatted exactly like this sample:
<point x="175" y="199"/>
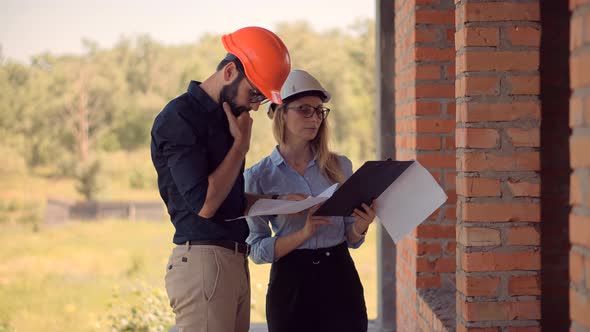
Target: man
<point x="199" y="142"/>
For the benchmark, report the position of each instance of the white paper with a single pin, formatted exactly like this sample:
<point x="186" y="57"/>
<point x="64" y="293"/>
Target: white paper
<point x="408" y="201"/>
<point x="267" y="207"/>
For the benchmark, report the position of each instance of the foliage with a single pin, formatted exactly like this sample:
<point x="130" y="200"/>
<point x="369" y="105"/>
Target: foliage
<point x="62" y="278"/>
<point x="4" y="327"/>
<point x="152" y="314"/>
<point x="43" y="274"/>
<point x="22" y="212"/>
<point x="60" y="111"/>
<point x="139" y="179"/>
<point x="88" y="180"/>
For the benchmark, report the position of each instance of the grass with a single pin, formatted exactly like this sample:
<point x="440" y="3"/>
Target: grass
<point x="63" y="278"/>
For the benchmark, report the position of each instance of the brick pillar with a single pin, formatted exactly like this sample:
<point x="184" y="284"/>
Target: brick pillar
<point x="580" y="163"/>
<point x="425" y="123"/>
<point x="498" y="208"/>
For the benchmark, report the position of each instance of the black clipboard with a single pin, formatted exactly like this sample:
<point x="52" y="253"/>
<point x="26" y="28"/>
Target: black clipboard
<point x="366" y="184"/>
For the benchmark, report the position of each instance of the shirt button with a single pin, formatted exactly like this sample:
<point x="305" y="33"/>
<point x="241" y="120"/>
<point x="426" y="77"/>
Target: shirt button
<point x="327" y="253"/>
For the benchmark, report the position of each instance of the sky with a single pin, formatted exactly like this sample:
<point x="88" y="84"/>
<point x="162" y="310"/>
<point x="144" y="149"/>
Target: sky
<point x="29" y="27"/>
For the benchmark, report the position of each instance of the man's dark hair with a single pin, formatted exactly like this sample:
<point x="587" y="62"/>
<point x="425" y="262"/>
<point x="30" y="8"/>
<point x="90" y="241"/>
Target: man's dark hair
<point x="231" y="58"/>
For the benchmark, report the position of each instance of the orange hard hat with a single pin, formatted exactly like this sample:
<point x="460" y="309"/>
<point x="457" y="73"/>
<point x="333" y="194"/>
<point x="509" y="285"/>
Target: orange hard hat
<point x="264" y="56"/>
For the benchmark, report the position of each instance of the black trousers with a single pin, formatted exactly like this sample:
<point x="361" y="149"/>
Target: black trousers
<point x="316" y="290"/>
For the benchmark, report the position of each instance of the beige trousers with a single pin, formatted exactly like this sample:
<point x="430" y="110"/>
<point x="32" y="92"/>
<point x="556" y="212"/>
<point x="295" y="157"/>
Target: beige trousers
<point x="209" y="289"/>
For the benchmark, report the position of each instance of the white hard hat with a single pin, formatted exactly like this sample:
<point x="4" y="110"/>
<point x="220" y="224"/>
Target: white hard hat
<point x="297" y="82"/>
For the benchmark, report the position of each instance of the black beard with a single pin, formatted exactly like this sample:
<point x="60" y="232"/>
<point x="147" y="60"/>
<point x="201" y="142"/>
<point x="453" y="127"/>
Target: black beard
<point x="229" y="94"/>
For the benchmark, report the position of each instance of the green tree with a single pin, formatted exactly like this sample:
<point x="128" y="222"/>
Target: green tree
<point x="28" y="111"/>
<point x="344" y="63"/>
<point x="88" y="90"/>
<point x="59" y="111"/>
<point x="88" y="180"/>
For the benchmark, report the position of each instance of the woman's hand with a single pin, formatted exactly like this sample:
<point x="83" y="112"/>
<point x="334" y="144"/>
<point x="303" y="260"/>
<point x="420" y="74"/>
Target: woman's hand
<point x="314" y="222"/>
<point x="287" y="243"/>
<point x="364" y="218"/>
<point x="294" y="197"/>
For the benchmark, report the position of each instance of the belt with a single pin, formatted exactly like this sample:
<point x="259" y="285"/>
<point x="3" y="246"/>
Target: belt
<point x="242" y="248"/>
<point x="336" y="252"/>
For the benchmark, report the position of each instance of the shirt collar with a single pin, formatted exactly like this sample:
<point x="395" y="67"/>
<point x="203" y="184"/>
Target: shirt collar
<point x="277" y="159"/>
<point x="195" y="90"/>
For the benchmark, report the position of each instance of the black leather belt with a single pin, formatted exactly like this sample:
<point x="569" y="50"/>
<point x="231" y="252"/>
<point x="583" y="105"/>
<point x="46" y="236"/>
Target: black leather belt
<point x="242" y="248"/>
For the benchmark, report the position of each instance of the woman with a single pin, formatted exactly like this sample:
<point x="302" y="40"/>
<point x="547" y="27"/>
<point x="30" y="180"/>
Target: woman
<point x="314" y="285"/>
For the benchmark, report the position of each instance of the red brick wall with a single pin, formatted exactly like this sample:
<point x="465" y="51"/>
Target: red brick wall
<point x="425" y="124"/>
<point x="580" y="163"/>
<point x="498" y="164"/>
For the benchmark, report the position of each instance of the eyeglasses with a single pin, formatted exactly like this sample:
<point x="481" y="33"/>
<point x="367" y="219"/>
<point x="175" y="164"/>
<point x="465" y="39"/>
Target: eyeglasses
<point x="255" y="95"/>
<point x="308" y="111"/>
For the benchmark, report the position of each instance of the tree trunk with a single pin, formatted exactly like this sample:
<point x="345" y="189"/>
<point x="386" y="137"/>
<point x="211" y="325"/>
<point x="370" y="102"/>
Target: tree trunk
<point x="82" y="112"/>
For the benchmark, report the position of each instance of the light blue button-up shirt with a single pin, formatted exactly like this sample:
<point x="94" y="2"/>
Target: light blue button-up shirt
<point x="272" y="175"/>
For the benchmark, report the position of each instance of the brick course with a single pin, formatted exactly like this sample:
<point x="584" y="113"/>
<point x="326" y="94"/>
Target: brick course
<point x="425" y="131"/>
<point x="498" y="164"/>
<point x="579" y="259"/>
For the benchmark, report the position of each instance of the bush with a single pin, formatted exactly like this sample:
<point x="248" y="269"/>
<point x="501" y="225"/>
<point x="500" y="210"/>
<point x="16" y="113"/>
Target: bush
<point x="66" y="167"/>
<point x="152" y="314"/>
<point x="22" y="212"/>
<point x="137" y="264"/>
<point x="88" y="184"/>
<point x="31" y="217"/>
<point x="4" y="327"/>
<point x="138" y="179"/>
<point x="13" y="165"/>
<point x="8" y="206"/>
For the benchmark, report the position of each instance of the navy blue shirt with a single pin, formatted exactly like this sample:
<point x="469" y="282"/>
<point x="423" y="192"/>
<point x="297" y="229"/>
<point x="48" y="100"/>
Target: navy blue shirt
<point x="190" y="138"/>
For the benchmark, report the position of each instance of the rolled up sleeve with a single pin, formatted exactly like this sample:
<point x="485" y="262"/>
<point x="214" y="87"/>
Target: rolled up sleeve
<point x="186" y="157"/>
<point x="349" y="221"/>
<point x="260" y="239"/>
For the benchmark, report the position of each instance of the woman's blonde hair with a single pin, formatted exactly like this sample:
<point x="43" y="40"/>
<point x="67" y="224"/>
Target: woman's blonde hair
<point x="328" y="161"/>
